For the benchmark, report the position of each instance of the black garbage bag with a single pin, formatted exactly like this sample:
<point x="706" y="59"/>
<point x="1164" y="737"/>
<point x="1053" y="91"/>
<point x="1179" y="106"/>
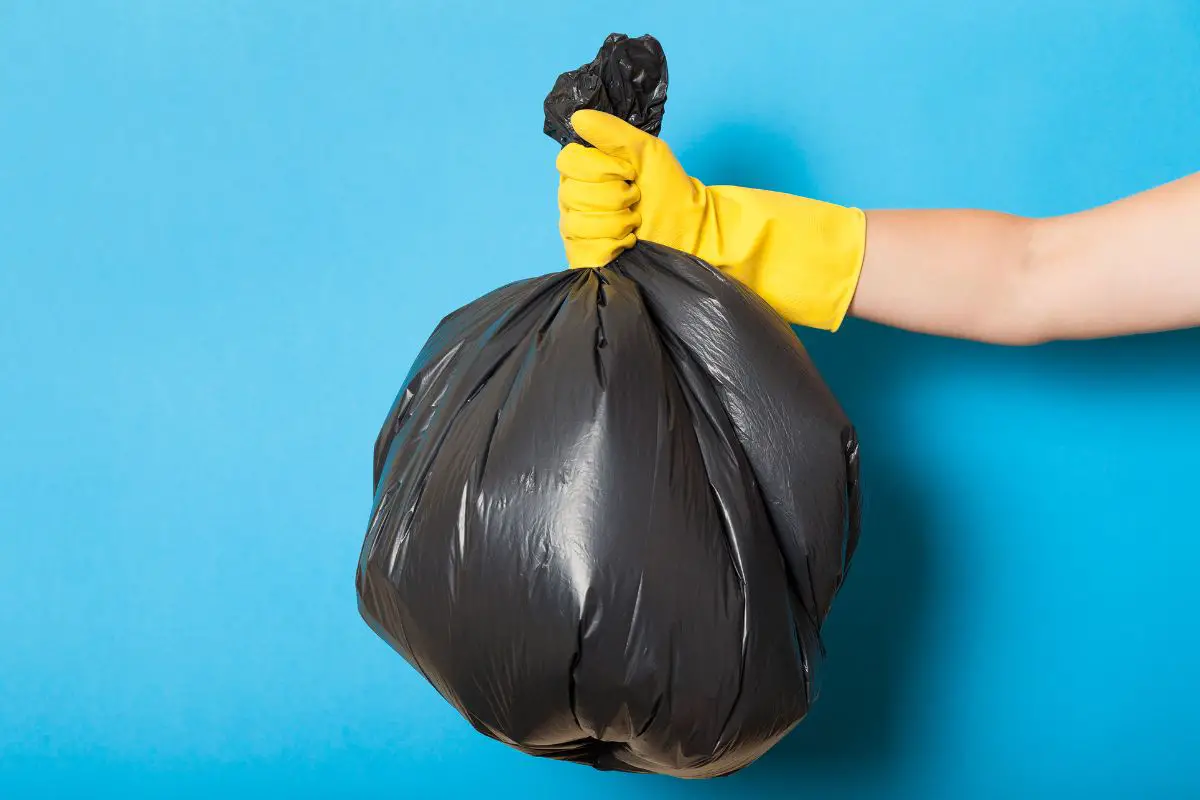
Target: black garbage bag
<point x="613" y="506"/>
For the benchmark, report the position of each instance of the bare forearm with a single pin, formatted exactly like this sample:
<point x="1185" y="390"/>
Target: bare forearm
<point x="1132" y="266"/>
<point x="953" y="273"/>
<point x="1128" y="267"/>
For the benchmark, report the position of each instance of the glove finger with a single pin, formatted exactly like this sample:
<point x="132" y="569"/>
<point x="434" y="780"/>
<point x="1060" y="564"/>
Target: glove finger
<point x="582" y="253"/>
<point x="598" y="224"/>
<point x="612" y="135"/>
<point x="591" y="165"/>
<point x="576" y="195"/>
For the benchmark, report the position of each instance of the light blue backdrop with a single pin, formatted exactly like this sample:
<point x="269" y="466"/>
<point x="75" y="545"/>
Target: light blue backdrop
<point x="226" y="228"/>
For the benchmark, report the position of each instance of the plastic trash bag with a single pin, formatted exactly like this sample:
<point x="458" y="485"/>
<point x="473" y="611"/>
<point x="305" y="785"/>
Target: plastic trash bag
<point x="613" y="506"/>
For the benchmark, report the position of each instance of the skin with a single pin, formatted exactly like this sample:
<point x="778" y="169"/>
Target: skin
<point x="1132" y="266"/>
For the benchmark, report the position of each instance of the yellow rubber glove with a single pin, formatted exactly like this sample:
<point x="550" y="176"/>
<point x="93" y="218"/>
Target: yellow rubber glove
<point x="802" y="256"/>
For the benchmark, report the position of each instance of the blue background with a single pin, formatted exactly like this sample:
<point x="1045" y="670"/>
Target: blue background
<point x="226" y="228"/>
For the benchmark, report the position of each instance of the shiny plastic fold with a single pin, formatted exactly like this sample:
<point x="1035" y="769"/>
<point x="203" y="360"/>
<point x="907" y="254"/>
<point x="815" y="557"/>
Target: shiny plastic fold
<point x="613" y="506"/>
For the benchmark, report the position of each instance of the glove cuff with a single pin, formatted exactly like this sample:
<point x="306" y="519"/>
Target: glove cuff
<point x="803" y="256"/>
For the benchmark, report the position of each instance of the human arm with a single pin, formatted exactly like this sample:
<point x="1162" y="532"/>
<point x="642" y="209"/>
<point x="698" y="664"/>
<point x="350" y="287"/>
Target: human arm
<point x="1129" y="267"/>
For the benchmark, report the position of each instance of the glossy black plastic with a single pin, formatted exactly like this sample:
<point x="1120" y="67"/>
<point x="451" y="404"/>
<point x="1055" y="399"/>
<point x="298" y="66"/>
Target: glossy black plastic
<point x="612" y="509"/>
<point x="627" y="78"/>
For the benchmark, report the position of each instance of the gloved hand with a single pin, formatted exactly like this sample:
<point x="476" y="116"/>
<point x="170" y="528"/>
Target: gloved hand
<point x="802" y="256"/>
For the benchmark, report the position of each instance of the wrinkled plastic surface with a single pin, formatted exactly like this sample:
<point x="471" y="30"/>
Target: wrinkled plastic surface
<point x="627" y="78"/>
<point x="612" y="509"/>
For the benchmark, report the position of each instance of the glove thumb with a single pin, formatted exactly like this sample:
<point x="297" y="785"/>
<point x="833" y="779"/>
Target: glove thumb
<point x="612" y="135"/>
